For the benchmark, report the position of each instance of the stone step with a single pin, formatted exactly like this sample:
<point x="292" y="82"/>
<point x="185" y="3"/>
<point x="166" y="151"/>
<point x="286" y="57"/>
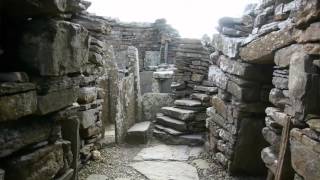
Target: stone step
<point x="206" y="89"/>
<point x="196" y="109"/>
<point x="190" y="139"/>
<point x="172" y="123"/>
<point x="200" y="96"/>
<point x="167" y="130"/>
<point x="178" y="113"/>
<point x="187" y="102"/>
<point x="139" y="133"/>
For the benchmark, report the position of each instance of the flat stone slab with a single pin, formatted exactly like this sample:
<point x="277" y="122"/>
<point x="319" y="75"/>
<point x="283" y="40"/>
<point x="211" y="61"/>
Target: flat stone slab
<point x="201" y="97"/>
<point x="166" y="170"/>
<point x="97" y="177"/>
<point x="168" y="130"/>
<point x="187" y="102"/>
<point x="139" y="133"/>
<point x="172" y="123"/>
<point x="163" y="153"/>
<point x="190" y="140"/>
<point x="140" y="127"/>
<point x="163" y="74"/>
<point x="178" y="113"/>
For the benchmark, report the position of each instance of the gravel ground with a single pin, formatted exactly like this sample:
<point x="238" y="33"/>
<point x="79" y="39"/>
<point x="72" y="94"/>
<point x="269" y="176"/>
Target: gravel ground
<point x="115" y="164"/>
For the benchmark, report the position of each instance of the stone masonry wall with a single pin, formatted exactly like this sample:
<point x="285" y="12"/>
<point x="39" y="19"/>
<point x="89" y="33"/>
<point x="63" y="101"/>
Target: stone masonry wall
<point x="50" y="103"/>
<point x="274" y="41"/>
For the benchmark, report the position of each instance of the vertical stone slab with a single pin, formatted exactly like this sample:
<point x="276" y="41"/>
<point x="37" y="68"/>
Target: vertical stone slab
<point x="152" y="58"/>
<point x="70" y="131"/>
<point x="2" y="173"/>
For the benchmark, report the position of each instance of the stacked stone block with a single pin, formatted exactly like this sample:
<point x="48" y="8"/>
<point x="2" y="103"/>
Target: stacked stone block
<point x="52" y="113"/>
<point x="236" y="117"/>
<point x="184" y="122"/>
<point x="285" y="33"/>
<point x="295" y="96"/>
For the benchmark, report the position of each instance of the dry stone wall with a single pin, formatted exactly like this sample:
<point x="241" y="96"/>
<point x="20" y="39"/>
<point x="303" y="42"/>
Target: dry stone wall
<point x="64" y="76"/>
<point x="43" y="86"/>
<point x="269" y="55"/>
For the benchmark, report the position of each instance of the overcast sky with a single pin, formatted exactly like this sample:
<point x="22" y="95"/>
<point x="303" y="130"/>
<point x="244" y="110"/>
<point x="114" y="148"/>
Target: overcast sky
<point x="192" y="18"/>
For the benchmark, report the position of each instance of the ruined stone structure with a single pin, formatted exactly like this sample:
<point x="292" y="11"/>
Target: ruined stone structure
<point x="66" y="75"/>
<point x="278" y="42"/>
<point x="251" y="95"/>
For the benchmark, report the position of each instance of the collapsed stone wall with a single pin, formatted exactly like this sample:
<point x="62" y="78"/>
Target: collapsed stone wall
<point x="278" y="42"/>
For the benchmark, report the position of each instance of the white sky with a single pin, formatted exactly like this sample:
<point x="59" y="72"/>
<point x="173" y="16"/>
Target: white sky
<point x="192" y="18"/>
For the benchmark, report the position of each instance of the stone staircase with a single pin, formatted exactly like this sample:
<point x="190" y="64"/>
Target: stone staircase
<point x="184" y="123"/>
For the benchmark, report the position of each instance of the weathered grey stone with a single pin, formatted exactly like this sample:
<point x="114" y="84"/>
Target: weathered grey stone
<point x="14" y="139"/>
<point x="87" y="95"/>
<point x="282" y="56"/>
<point x="97" y="177"/>
<point x="190" y="140"/>
<point x="87" y="118"/>
<point x="311" y="34"/>
<point x="48" y="52"/>
<point x="187" y="102"/>
<point x="206" y="89"/>
<point x="166" y="170"/>
<point x="305" y="155"/>
<point x="308" y="11"/>
<point x="220" y="106"/>
<point x="153" y="102"/>
<point x="314" y="124"/>
<point x="270" y="158"/>
<point x="163" y="153"/>
<point x="197" y="77"/>
<point x="277" y="98"/>
<point x="248" y="94"/>
<point x="221" y="159"/>
<point x="172" y="123"/>
<point x="55" y="101"/>
<point x="245" y="70"/>
<point x="200" y="97"/>
<point x="44" y="163"/>
<point x="217" y="76"/>
<point x="8" y="88"/>
<point x="178" y="113"/>
<point x="16" y="106"/>
<point x="152" y="58"/>
<point x="271" y="137"/>
<point x="19" y="77"/>
<point x="163" y="74"/>
<point x="139" y="133"/>
<point x="93" y="23"/>
<point x="280" y="83"/>
<point x="233" y="32"/>
<point x="261" y="50"/>
<point x="170" y="131"/>
<point x="278" y="116"/>
<point x="227" y="45"/>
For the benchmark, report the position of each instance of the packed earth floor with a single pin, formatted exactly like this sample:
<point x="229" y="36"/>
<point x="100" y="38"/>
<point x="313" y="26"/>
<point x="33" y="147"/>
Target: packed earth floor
<point x="154" y="161"/>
